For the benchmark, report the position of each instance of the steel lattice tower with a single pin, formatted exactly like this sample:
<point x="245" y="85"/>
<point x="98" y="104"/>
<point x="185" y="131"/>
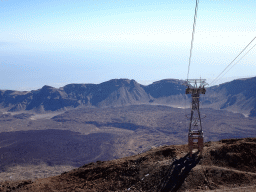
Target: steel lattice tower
<point x="195" y="87"/>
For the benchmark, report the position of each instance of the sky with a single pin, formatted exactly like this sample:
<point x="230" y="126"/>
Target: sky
<point x="58" y="42"/>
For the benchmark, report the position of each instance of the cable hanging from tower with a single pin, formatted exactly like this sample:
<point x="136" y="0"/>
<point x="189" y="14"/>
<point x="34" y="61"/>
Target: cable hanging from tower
<point x="218" y="77"/>
<point x="194" y="26"/>
<point x="235" y="63"/>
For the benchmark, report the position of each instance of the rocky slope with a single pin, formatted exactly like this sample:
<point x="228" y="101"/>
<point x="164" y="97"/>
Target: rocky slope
<point x="113" y="93"/>
<point x="237" y="96"/>
<point x="227" y="165"/>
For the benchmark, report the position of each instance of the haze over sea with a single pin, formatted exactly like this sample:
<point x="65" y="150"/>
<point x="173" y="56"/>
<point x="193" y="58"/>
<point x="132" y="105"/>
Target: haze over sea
<point x="57" y="42"/>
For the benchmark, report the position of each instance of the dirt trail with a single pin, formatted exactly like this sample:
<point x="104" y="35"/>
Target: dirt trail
<point x="224" y="169"/>
<point x="237" y="189"/>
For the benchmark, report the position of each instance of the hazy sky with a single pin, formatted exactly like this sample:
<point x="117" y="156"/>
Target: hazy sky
<point x="57" y="42"/>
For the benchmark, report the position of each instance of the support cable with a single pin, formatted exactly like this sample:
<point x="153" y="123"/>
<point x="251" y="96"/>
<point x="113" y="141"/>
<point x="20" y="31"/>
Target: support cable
<point x="232" y="62"/>
<point x="235" y="63"/>
<point x="194" y="26"/>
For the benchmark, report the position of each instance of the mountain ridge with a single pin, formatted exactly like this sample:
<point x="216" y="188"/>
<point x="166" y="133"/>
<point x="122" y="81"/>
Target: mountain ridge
<point x="236" y="96"/>
<point x="112" y="93"/>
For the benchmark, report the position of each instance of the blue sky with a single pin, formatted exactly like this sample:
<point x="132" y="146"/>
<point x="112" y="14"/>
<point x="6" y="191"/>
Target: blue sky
<point x="58" y="42"/>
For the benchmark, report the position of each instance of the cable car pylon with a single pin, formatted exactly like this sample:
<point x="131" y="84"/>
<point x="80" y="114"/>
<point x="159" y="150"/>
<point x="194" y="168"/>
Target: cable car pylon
<point x="195" y="87"/>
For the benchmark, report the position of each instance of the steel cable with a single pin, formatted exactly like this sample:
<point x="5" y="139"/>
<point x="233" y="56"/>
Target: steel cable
<point x="232" y="62"/>
<point x="235" y="63"/>
<point x="194" y="26"/>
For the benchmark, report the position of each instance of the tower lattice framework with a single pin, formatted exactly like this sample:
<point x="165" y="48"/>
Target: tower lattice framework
<point x="195" y="87"/>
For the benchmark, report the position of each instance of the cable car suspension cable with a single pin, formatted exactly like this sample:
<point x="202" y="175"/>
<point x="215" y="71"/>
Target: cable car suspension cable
<point x="232" y="62"/>
<point x="235" y="63"/>
<point x="194" y="26"/>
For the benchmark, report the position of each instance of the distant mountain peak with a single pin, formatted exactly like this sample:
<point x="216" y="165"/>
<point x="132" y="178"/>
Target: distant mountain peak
<point x="236" y="96"/>
<point x="169" y="81"/>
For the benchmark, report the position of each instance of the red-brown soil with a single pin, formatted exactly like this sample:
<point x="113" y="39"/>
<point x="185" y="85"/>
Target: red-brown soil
<point x="227" y="165"/>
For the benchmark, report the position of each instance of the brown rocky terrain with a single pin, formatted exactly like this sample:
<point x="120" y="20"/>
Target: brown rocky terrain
<point x="42" y="145"/>
<point x="226" y="165"/>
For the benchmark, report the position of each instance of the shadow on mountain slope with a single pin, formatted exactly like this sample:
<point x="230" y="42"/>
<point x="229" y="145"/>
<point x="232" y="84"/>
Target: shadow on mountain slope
<point x="53" y="147"/>
<point x="128" y="126"/>
<point x="178" y="172"/>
